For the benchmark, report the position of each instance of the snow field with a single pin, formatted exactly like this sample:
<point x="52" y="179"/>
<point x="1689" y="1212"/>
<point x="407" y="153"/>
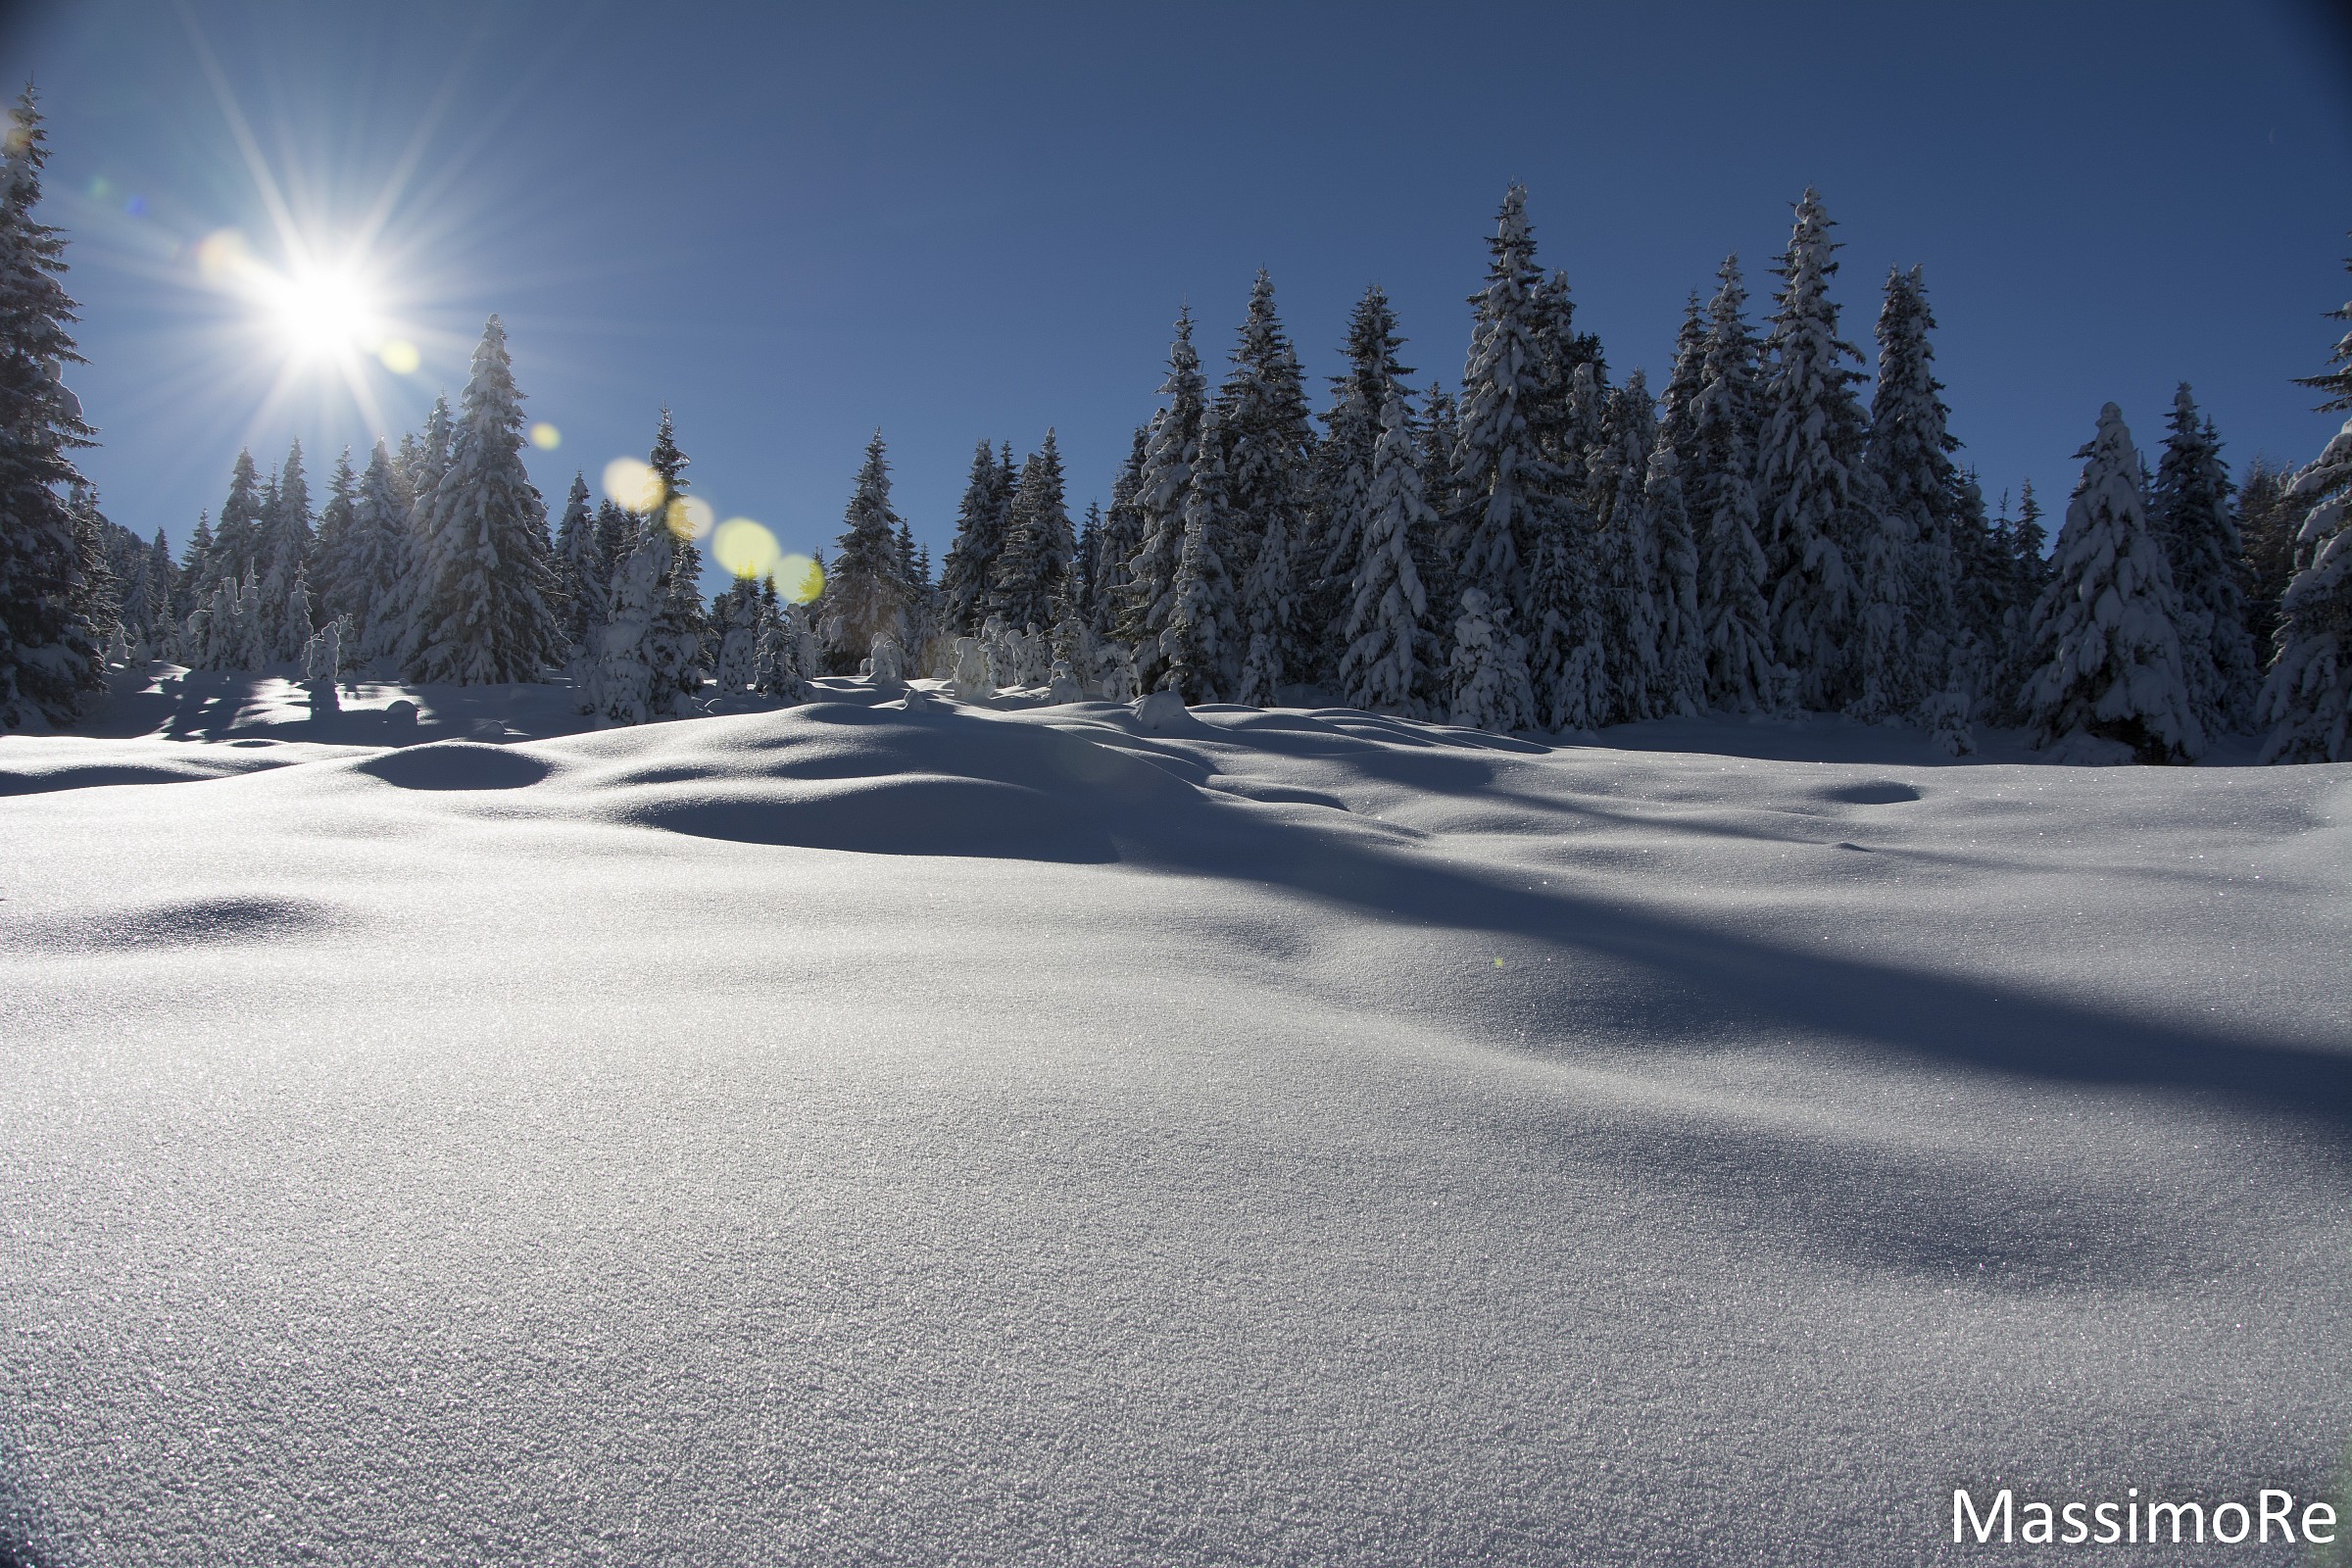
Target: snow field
<point x="848" y="1134"/>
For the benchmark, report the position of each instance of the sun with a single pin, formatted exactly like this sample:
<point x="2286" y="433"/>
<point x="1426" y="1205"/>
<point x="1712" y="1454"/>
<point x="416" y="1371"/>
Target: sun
<point x="322" y="313"/>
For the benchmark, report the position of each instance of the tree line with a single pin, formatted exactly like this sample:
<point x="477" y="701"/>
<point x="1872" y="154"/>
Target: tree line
<point x="1539" y="547"/>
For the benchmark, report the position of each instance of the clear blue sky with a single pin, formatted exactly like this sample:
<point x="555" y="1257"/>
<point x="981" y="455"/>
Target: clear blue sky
<point x="794" y="224"/>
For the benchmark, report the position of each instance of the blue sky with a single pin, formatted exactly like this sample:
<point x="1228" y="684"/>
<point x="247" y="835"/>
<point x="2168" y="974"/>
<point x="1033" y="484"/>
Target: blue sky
<point x="796" y="225"/>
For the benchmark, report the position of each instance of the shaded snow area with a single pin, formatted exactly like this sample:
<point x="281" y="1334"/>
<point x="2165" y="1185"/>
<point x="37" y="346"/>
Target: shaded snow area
<point x="1036" y="1135"/>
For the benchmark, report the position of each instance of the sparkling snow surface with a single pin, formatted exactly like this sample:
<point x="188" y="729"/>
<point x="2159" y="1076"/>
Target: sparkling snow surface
<point x="848" y="1136"/>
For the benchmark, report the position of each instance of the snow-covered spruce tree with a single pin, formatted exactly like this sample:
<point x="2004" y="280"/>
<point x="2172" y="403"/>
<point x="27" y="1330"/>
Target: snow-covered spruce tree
<point x="1487" y="681"/>
<point x="1087" y="567"/>
<point x="154" y="593"/>
<point x="1681" y="689"/>
<point x="237" y="539"/>
<point x="2107" y="657"/>
<point x="1813" y="485"/>
<point x="736" y="616"/>
<point x="483" y="614"/>
<point x="1269" y="458"/>
<point x="1627" y="552"/>
<point x="2306" y="702"/>
<point x="1907" y="570"/>
<point x="623" y="689"/>
<point x="1032" y="571"/>
<point x="980" y="522"/>
<point x="1327" y="560"/>
<point x="1744" y="675"/>
<point x="416" y="476"/>
<point x="1568" y="403"/>
<point x="285" y="550"/>
<point x="1122" y="536"/>
<point x="777" y="669"/>
<point x="582" y="574"/>
<point x="2190" y="508"/>
<point x="1202" y="644"/>
<point x="374" y="552"/>
<point x="1682" y="382"/>
<point x="2267" y="524"/>
<point x="1503" y="483"/>
<point x="96" y="603"/>
<point x="1441" y="487"/>
<point x="50" y="656"/>
<point x="1391" y="664"/>
<point x="1148" y="596"/>
<point x="865" y="595"/>
<point x="330" y="550"/>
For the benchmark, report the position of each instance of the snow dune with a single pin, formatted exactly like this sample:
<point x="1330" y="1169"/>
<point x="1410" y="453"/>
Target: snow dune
<point x="977" y="1135"/>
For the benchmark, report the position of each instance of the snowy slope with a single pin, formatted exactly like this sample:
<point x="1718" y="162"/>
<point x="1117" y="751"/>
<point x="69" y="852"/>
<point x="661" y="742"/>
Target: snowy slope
<point x="849" y="1135"/>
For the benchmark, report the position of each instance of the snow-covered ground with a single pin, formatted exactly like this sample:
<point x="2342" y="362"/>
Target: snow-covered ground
<point x="1029" y="1134"/>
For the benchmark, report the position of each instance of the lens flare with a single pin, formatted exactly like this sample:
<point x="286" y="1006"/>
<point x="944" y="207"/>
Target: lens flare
<point x="690" y="516"/>
<point x="799" y="579"/>
<point x="223" y="258"/>
<point x="400" y="357"/>
<point x="745" y="547"/>
<point x="632" y="483"/>
<point x="546" y="437"/>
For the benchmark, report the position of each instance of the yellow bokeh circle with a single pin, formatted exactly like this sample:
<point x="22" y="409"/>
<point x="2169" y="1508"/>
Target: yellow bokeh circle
<point x="745" y="549"/>
<point x="400" y="357"/>
<point x="690" y="517"/>
<point x="799" y="579"/>
<point x="632" y="483"/>
<point x="546" y="437"/>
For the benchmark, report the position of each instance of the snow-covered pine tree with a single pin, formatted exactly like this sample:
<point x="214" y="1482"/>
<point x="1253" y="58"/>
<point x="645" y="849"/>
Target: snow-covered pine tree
<point x="581" y="574"/>
<point x="1503" y="481"/>
<point x="158" y="594"/>
<point x="864" y="596"/>
<point x="2107" y="657"/>
<point x="1269" y="458"/>
<point x="1031" y="574"/>
<point x="50" y="656"/>
<point x="1148" y="596"/>
<point x="483" y="612"/>
<point x="1122" y="537"/>
<point x="1486" y="680"/>
<point x="2190" y="508"/>
<point x="623" y="692"/>
<point x="2306" y="702"/>
<point x="1202" y="643"/>
<point x="190" y="589"/>
<point x="1391" y="663"/>
<point x="1680" y="679"/>
<point x="1684" y="381"/>
<point x="1328" y="560"/>
<point x="980" y="522"/>
<point x="1626" y="554"/>
<point x="2337" y="381"/>
<point x="1744" y="675"/>
<point x="96" y="603"/>
<point x="1907" y="573"/>
<point x="1568" y="400"/>
<point x="777" y="671"/>
<point x="417" y="475"/>
<point x="736" y="616"/>
<point x="682" y="639"/>
<point x="238" y="538"/>
<point x="2267" y="521"/>
<point x="330" y="559"/>
<point x="1441" y="487"/>
<point x="1814" y="491"/>
<point x="285" y="549"/>
<point x="1085" y="567"/>
<point x="376" y="547"/>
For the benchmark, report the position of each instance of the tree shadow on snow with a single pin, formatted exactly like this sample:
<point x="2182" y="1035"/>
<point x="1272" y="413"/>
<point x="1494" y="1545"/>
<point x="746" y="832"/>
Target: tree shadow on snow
<point x="1715" y="978"/>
